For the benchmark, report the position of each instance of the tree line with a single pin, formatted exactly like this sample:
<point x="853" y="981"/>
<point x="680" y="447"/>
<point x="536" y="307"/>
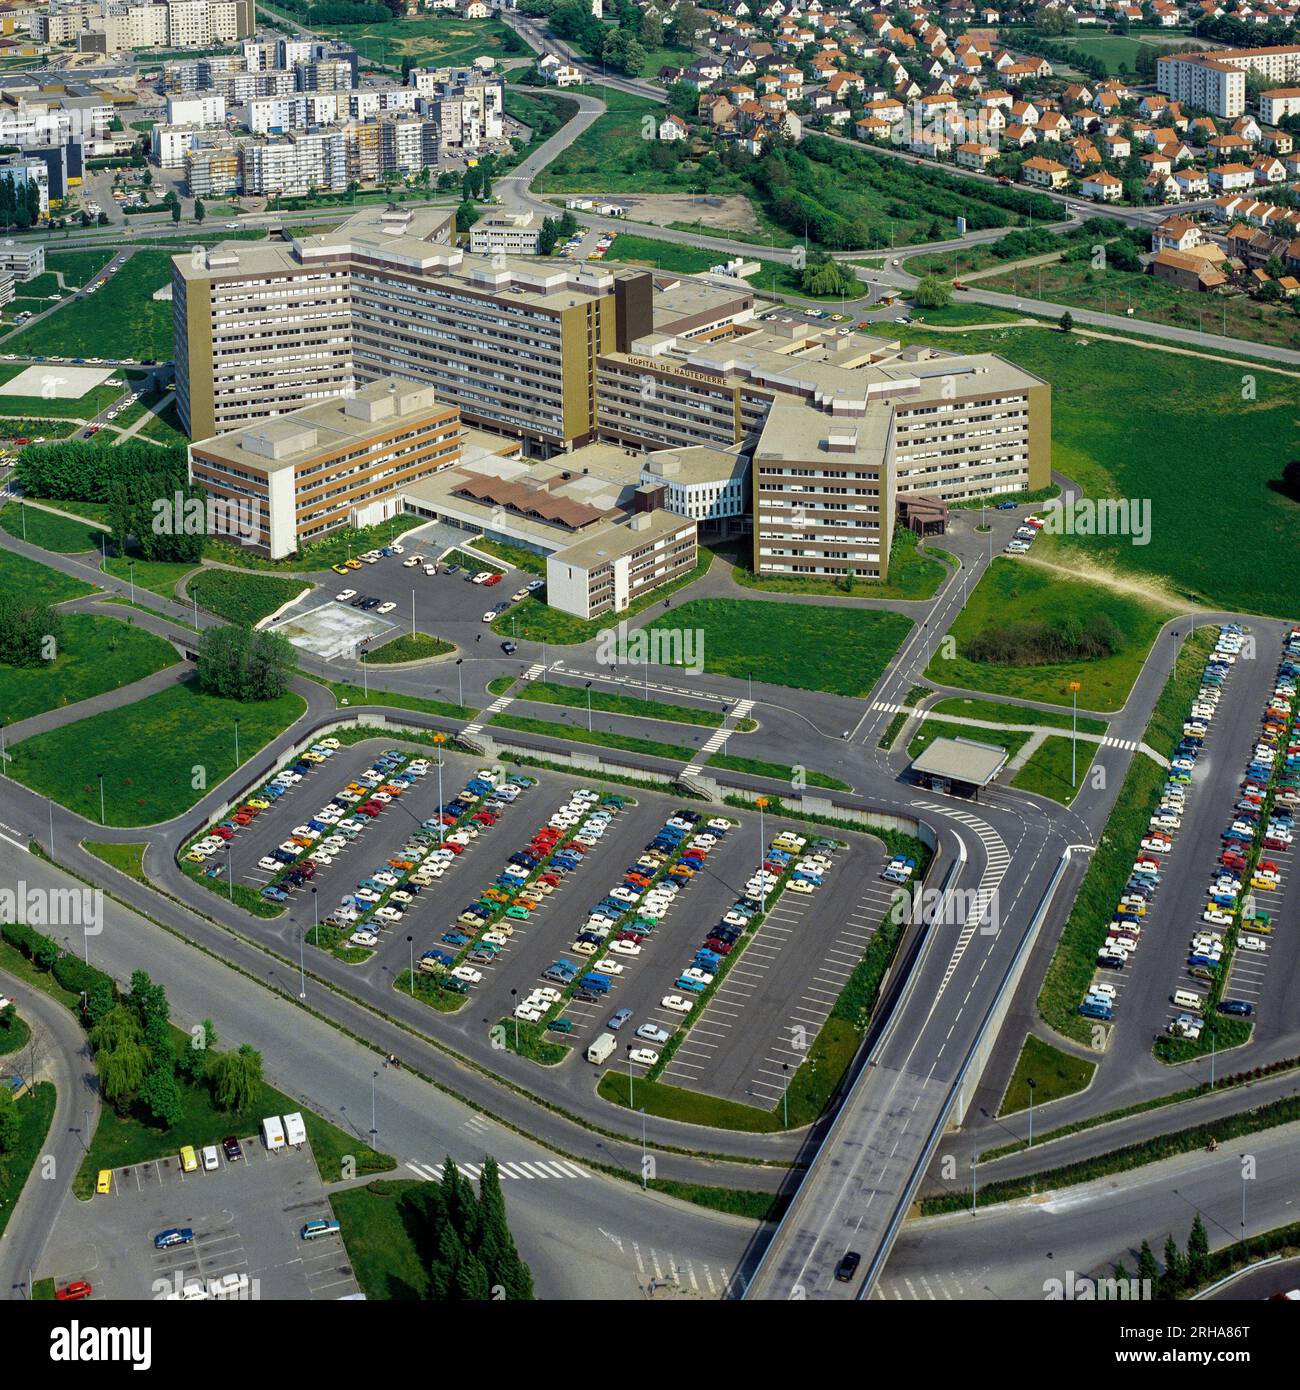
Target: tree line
<point x="1046" y="643"/>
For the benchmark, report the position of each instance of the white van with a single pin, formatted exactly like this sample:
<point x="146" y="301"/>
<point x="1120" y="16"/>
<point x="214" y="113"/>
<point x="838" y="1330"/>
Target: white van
<point x="1188" y="999"/>
<point x="601" y="1049"/>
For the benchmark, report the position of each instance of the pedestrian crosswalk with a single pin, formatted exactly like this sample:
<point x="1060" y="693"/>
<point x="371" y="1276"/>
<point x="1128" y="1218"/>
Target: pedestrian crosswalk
<point x="1127" y="744"/>
<point x="718" y="738"/>
<point x="500" y="703"/>
<point x="886" y="707"/>
<point x="533" y="1171"/>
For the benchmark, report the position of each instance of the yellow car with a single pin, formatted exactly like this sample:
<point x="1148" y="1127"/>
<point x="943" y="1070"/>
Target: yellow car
<point x="339" y="569"/>
<point x="353" y="564"/>
<point x="259" y="803"/>
<point x="189" y="1160"/>
<point x="104" y="1183"/>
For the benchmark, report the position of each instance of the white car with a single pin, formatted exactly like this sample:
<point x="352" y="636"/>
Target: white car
<point x="529" y="1013"/>
<point x="481" y="577"/>
<point x="269" y="864"/>
<point x="534" y="585"/>
<point x="431" y="569"/>
<point x="607" y="965"/>
<point x="1252" y="943"/>
<point x="210" y="1160"/>
<point x="490" y="617"/>
<point x="647" y="1056"/>
<point x="410" y="564"/>
<point x="468" y="974"/>
<point x="364" y="938"/>
<point x="1216" y="918"/>
<point x="518" y="595"/>
<point x="385" y="608"/>
<point x="677" y="1003"/>
<point x="625" y="948"/>
<point x="798" y="885"/>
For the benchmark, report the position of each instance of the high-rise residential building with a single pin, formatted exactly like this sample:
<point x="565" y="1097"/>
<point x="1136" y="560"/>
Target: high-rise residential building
<point x="1214" y="79"/>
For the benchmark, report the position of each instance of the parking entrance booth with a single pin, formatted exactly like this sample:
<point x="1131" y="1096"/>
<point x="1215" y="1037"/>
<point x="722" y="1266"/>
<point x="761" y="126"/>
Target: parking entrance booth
<point x="958" y="766"/>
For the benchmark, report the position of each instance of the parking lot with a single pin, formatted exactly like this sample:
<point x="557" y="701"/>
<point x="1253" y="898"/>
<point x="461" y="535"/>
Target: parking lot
<point x="246" y="1217"/>
<point x="763" y="1015"/>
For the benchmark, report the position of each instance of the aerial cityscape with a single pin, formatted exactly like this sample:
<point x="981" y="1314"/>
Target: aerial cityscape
<point x="491" y="489"/>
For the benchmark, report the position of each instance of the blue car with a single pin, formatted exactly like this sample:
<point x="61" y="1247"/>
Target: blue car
<point x="441" y="957"/>
<point x="618" y="1019"/>
<point x="455" y="938"/>
<point x="691" y="986"/>
<point x="175" y="1235"/>
<point x="274" y="894"/>
<point x="1090" y="1010"/>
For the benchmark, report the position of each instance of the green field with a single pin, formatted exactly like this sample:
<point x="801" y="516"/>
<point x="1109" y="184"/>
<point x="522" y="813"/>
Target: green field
<point x="96" y="654"/>
<point x="122" y="319"/>
<point x="242" y="597"/>
<point x="35" y="1112"/>
<point x="842" y="650"/>
<point x="1144" y="297"/>
<point x="49" y="531"/>
<point x="576" y="697"/>
<point x="694" y="260"/>
<point x="34" y="580"/>
<point x="998" y="713"/>
<point x="434" y="41"/>
<point x="1172" y="455"/>
<point x="150" y="753"/>
<point x="1047" y="770"/>
<point x="1012" y="592"/>
<point x="1053" y="1072"/>
<point x="157" y="576"/>
<point x="76" y="267"/>
<point x="1120" y="50"/>
<point x="126" y="858"/>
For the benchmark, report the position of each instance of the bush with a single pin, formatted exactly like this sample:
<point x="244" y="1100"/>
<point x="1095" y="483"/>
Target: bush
<point x="75" y="975"/>
<point x="1047" y="644"/>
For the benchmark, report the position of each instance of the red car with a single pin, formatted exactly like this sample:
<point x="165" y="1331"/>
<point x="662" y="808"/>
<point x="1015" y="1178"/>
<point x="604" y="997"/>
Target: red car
<point x="453" y="847"/>
<point x="723" y="948"/>
<point x="552" y="879"/>
<point x="222" y="833"/>
<point x="491" y="579"/>
<point x="79" y="1288"/>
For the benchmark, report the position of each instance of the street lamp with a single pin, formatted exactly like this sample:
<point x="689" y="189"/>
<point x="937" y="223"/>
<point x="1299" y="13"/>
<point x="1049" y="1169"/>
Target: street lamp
<point x="514" y="994"/>
<point x="760" y="802"/>
<point x="130" y="571"/>
<point x="102" y="821"/>
<point x="1031" y="1083"/>
<point x="410" y="941"/>
<point x="236" y="743"/>
<point x="785" y="1095"/>
<point x="589" y="707"/>
<point x="460" y="682"/>
<point x="1074" y="734"/>
<point x="438" y="740"/>
<point x="374" y="1130"/>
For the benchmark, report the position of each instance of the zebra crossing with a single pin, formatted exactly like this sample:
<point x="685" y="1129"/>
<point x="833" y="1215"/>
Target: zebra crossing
<point x="718" y="738"/>
<point x="532" y="1171"/>
<point x="886" y="707"/>
<point x="500" y="703"/>
<point x="997" y="862"/>
<point x="1129" y="745"/>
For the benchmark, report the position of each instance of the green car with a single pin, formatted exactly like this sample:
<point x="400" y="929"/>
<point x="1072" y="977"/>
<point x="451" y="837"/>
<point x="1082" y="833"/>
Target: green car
<point x="520" y="914"/>
<point x="561" y="1025"/>
<point x="456" y="986"/>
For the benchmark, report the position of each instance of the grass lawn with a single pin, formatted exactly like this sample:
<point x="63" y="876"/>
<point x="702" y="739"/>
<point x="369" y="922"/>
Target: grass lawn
<point x="1172" y="455"/>
<point x="535" y="620"/>
<point x="54" y="408"/>
<point x="1117" y="49"/>
<point x="125" y="1140"/>
<point x="1047" y="770"/>
<point x="128" y="859"/>
<point x="570" y="733"/>
<point x="35" y="1111"/>
<point x="932" y="729"/>
<point x="150" y="753"/>
<point x="407" y="646"/>
<point x="757" y="767"/>
<point x="692" y="260"/>
<point x="34" y="580"/>
<point x="242" y="597"/>
<point x="97" y="654"/>
<point x="76" y="267"/>
<point x="1144" y="297"/>
<point x="842" y="650"/>
<point x="158" y="576"/>
<point x="998" y="713"/>
<point x="50" y="532"/>
<point x="913" y="574"/>
<point x="553" y="693"/>
<point x="1054" y="1073"/>
<point x="382" y="1223"/>
<point x="963" y="315"/>
<point x="14" y="1038"/>
<point x="165" y="427"/>
<point x="121" y="319"/>
<point x="690" y="1107"/>
<point x="1012" y="592"/>
<point x="514" y="555"/>
<point x="347" y="694"/>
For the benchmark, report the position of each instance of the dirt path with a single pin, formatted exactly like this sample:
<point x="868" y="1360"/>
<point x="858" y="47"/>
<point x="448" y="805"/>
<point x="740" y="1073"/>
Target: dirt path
<point x="1093" y="573"/>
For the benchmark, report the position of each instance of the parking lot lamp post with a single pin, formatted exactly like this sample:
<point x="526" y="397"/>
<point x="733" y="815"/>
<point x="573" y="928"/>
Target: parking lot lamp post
<point x="1074" y="733"/>
<point x="644" y="1167"/>
<point x="410" y="941"/>
<point x="630" y="1099"/>
<point x="589" y="707"/>
<point x="230" y="870"/>
<point x="374" y="1131"/>
<point x="22" y="511"/>
<point x="750" y="678"/>
<point x="302" y="963"/>
<point x="236" y="743"/>
<point x="760" y="802"/>
<point x="438" y="740"/>
<point x="365" y="675"/>
<point x="412" y="612"/>
<point x="1031" y="1084"/>
<point x="973" y="1168"/>
<point x="130" y="570"/>
<point x="100" y="775"/>
<point x="4" y="757"/>
<point x="195" y="597"/>
<point x="460" y="682"/>
<point x="785" y="1095"/>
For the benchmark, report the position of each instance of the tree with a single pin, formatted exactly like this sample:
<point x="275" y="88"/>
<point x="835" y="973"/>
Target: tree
<point x="161" y="1096"/>
<point x="1198" y="1251"/>
<point x="466" y="215"/>
<point x="236" y="1077"/>
<point x="200" y="212"/>
<point x="504" y="1267"/>
<point x="1148" y="1269"/>
<point x="176" y="212"/>
<point x="1175" y="1275"/>
<point x="1066" y="322"/>
<point x="932" y="293"/>
<point x="547" y="236"/>
<point x="239" y="663"/>
<point x="30" y="630"/>
<point x="148" y="999"/>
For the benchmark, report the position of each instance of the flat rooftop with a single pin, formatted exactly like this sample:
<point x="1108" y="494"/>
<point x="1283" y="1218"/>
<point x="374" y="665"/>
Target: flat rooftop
<point x="961" y="760"/>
